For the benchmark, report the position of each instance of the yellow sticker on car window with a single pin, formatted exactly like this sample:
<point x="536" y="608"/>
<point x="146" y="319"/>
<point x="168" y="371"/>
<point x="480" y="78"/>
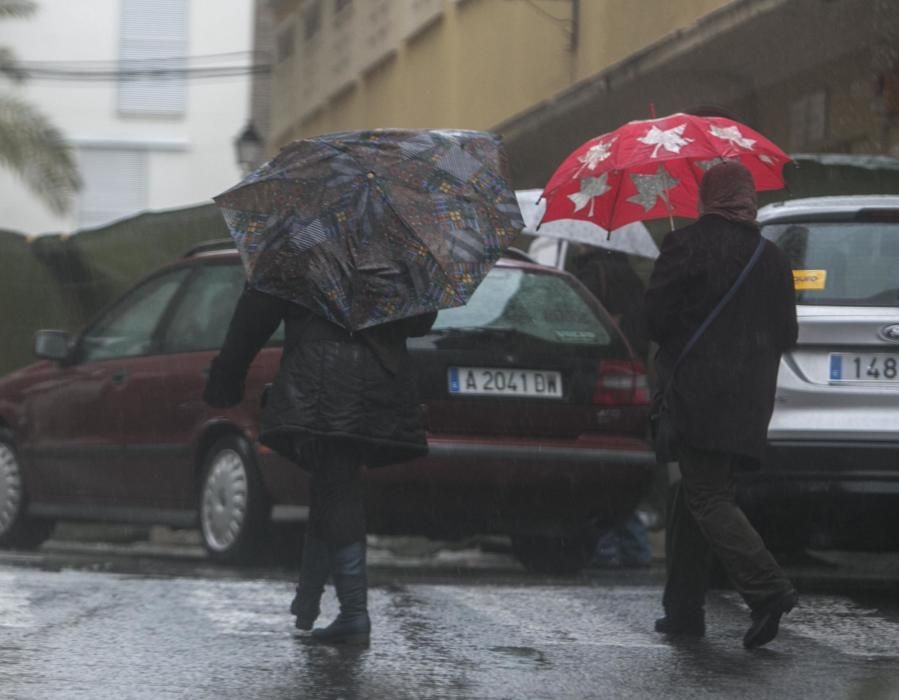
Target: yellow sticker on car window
<point x="809" y="279"/>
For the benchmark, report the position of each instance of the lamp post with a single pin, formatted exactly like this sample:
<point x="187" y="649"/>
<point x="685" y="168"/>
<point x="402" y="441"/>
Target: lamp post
<point x="248" y="146"/>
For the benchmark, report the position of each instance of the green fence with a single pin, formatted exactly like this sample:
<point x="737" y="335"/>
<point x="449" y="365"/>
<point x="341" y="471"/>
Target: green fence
<point x="59" y="281"/>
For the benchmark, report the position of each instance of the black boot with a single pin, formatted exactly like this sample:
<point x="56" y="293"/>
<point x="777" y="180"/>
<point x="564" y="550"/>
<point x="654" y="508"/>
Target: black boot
<point x="314" y="570"/>
<point x="683" y="623"/>
<point x="352" y="625"/>
<point x="766" y="618"/>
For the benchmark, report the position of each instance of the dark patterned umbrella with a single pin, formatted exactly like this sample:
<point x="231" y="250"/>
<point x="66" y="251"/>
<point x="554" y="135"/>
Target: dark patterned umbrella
<point x="373" y="226"/>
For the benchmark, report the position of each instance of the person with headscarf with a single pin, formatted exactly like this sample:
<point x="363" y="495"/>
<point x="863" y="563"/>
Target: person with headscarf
<point x="722" y="398"/>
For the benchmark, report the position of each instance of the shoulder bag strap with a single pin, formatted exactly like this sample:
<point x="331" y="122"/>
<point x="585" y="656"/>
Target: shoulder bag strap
<point x="721" y="304"/>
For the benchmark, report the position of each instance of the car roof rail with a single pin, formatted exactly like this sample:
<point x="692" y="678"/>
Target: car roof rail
<point x="210" y="247"/>
<point x="518" y="254"/>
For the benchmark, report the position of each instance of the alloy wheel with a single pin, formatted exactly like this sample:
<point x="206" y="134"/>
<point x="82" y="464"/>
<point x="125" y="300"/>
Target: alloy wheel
<point x="225" y="499"/>
<point x="10" y="488"/>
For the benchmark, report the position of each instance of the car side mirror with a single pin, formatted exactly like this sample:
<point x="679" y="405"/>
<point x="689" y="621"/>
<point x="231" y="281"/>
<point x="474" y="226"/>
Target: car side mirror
<point x="51" y="345"/>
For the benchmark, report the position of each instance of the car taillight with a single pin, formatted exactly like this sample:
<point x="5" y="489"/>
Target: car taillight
<point x="621" y="383"/>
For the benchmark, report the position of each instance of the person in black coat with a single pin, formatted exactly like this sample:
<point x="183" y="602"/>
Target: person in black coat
<point x="611" y="279"/>
<point x="722" y="397"/>
<point x="608" y="275"/>
<point x="340" y="400"/>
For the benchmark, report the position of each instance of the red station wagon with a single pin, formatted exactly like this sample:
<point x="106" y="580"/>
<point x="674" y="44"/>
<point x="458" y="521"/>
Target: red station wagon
<point x="536" y="414"/>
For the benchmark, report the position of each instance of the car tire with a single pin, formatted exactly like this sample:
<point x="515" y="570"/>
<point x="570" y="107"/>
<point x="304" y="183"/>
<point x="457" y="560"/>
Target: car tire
<point x="233" y="508"/>
<point x="781" y="533"/>
<point x="17" y="530"/>
<point x="784" y="538"/>
<point x="555" y="554"/>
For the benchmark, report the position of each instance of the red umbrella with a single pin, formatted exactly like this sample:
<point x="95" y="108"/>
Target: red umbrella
<point x="651" y="169"/>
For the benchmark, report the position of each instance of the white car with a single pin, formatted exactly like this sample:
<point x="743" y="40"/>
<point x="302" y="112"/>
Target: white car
<point x="831" y="475"/>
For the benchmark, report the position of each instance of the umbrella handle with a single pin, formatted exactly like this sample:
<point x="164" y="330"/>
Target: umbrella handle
<point x="668" y="204"/>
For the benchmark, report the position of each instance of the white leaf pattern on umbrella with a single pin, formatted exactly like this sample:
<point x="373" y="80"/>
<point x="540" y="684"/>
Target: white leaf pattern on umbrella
<point x="732" y="134"/>
<point x="672" y="140"/>
<point x="651" y="187"/>
<point x="591" y="187"/>
<point x="595" y="155"/>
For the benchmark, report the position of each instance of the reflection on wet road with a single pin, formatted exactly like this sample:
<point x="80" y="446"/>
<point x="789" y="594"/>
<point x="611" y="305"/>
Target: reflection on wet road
<point x="76" y="634"/>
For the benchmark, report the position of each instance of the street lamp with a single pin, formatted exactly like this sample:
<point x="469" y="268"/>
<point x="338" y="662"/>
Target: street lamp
<point x="248" y="147"/>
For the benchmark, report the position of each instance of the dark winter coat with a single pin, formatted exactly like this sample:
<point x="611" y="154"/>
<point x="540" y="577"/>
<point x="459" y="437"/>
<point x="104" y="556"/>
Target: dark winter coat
<point x="331" y="383"/>
<point x="611" y="279"/>
<point x="724" y="387"/>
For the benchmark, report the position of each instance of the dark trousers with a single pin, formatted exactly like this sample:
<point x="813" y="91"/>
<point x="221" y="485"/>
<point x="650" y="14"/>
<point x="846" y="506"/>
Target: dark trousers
<point x="703" y="520"/>
<point x="336" y="504"/>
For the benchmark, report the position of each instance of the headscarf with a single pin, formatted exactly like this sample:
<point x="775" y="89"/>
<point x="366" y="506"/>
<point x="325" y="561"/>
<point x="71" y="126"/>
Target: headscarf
<point x="727" y="190"/>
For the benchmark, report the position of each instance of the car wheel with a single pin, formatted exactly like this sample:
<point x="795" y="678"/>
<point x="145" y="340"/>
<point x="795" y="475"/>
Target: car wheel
<point x="17" y="530"/>
<point x="233" y="505"/>
<point x="554" y="554"/>
<point x="780" y="532"/>
<point x="784" y="537"/>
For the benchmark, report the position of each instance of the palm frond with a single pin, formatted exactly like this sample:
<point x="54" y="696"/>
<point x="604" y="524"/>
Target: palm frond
<point x="17" y="8"/>
<point x="32" y="147"/>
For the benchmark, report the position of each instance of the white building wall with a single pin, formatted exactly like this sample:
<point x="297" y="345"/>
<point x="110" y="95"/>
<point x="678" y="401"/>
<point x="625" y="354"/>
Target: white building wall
<point x="188" y="158"/>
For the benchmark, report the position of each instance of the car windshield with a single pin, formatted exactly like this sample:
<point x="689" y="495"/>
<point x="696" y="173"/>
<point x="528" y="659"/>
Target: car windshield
<point x="540" y="305"/>
<point x="842" y="263"/>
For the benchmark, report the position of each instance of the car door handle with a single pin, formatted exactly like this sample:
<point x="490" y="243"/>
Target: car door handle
<point x="119" y="376"/>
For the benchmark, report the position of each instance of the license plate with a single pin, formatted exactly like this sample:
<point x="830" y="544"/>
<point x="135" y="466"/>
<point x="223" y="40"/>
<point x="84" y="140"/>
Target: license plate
<point x="864" y="367"/>
<point x="489" y="381"/>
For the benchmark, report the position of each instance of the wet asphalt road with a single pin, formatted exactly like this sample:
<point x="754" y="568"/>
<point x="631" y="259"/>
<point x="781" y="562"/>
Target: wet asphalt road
<point x="95" y="623"/>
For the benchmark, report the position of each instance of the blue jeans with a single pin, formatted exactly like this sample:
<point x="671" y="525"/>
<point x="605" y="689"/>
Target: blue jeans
<point x="625" y="545"/>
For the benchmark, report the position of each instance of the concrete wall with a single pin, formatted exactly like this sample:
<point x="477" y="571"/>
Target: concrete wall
<point x="613" y="30"/>
<point x="446" y="63"/>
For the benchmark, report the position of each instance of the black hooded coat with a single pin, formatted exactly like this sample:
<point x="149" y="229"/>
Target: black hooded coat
<point x="331" y="383"/>
<point x="723" y="392"/>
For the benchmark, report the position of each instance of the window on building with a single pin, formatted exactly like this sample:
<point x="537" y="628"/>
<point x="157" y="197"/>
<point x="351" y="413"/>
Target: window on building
<point x="152" y="57"/>
<point x="284" y="44"/>
<point x="312" y="19"/>
<point x="808" y="119"/>
<point x="114" y="184"/>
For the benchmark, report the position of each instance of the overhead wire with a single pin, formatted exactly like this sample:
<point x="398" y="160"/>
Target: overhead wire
<point x="162" y="68"/>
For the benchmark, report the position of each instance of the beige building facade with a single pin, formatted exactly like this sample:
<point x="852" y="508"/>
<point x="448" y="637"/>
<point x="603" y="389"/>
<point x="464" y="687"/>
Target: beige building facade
<point x="814" y="75"/>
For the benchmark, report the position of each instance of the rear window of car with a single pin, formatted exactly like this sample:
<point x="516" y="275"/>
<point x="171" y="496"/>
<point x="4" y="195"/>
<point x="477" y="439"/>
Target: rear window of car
<point x="841" y="263"/>
<point x="540" y="305"/>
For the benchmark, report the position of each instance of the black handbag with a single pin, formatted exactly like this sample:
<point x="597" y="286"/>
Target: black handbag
<point x="661" y="417"/>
